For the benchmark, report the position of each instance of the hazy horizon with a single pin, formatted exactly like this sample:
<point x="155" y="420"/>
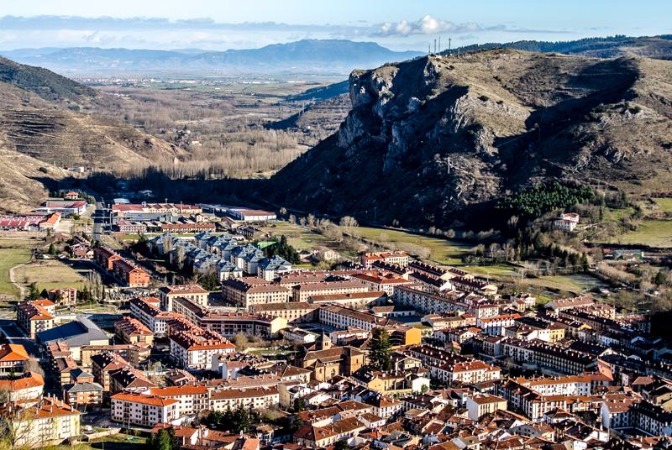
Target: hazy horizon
<point x="398" y="26"/>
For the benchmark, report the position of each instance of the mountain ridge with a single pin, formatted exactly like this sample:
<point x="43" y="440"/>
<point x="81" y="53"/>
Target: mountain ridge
<point x="330" y="56"/>
<point x="430" y="139"/>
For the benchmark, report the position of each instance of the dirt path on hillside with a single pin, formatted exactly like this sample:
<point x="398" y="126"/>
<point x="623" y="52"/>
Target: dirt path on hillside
<point x="12" y="279"/>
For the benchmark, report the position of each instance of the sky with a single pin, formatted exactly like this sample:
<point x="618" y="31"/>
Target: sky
<point x="396" y="24"/>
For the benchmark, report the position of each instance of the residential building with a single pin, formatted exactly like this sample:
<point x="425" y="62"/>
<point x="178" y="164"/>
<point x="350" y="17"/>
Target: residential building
<point x="13" y="358"/>
<point x="35" y="316"/>
<point x="479" y="405"/>
<point x="304" y="292"/>
<point x="271" y="268"/>
<point x="143" y="410"/>
<point x="192" y="399"/>
<point x="399" y="258"/>
<point x="357" y="300"/>
<point x="130" y="274"/>
<point x="259" y="398"/>
<point x="344" y="318"/>
<point x="292" y="312"/>
<point x="192" y="292"/>
<point x="247" y="292"/>
<point x="83" y="395"/>
<point x="147" y="311"/>
<point x="132" y="331"/>
<point x="50" y="422"/>
<point x="385" y="282"/>
<point x="22" y="388"/>
<point x="229" y="324"/>
<point x="194" y="348"/>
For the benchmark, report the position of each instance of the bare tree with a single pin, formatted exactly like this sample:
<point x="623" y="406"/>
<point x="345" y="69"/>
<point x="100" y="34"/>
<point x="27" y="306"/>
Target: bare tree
<point x="348" y="222"/>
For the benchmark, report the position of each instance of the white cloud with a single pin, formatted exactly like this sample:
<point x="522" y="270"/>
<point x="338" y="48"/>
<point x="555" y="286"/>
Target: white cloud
<point x="425" y="25"/>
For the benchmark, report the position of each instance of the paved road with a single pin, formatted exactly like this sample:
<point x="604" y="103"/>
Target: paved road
<point x="100" y="219"/>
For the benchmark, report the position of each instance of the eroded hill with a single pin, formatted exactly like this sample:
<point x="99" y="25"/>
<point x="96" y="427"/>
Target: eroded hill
<point x="428" y="137"/>
<point x="50" y="121"/>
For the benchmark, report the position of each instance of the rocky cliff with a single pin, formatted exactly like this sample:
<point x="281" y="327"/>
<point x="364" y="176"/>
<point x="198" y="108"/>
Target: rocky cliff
<point x="430" y="138"/>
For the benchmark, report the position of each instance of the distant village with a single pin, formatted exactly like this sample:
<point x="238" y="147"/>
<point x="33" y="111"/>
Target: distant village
<point x="382" y="352"/>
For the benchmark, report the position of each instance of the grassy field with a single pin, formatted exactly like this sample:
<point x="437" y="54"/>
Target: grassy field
<point x="615" y="215"/>
<point x="12" y="253"/>
<point x="656" y="233"/>
<point x="443" y="251"/>
<point x="298" y="237"/>
<point x="664" y="204"/>
<point x="49" y="274"/>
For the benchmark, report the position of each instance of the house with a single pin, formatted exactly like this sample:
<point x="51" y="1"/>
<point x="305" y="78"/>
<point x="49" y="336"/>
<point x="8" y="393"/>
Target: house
<point x="13" y="358"/>
<point x="64" y="296"/>
<point x="566" y="222"/>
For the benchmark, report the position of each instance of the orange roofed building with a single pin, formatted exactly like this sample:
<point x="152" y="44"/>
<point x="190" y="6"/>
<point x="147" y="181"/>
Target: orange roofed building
<point x="194" y="348"/>
<point x="144" y="410"/>
<point x="50" y="422"/>
<point x="35" y="316"/>
<point x="13" y="358"/>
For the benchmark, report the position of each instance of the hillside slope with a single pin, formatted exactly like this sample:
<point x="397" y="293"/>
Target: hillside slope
<point x="53" y="119"/>
<point x="430" y="137"/>
<point x="48" y="123"/>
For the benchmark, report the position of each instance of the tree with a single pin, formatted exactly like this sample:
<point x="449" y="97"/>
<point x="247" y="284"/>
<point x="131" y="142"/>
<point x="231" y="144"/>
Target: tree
<point x="660" y="278"/>
<point x="341" y="445"/>
<point x="164" y="440"/>
<point x="299" y="404"/>
<point x="209" y="281"/>
<point x="241" y="419"/>
<point x="33" y="292"/>
<point x="379" y="354"/>
<point x="348" y="222"/>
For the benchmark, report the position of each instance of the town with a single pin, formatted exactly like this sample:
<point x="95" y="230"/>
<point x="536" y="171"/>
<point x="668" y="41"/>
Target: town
<point x="244" y="348"/>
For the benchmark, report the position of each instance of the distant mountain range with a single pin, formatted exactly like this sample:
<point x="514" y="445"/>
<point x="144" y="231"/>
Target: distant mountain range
<point x="328" y="57"/>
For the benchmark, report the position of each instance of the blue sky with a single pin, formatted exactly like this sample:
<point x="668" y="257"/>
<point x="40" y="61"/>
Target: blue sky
<point x="398" y="24"/>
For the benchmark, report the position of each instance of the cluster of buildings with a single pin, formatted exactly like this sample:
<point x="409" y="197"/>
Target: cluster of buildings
<point x="123" y="269"/>
<point x="459" y="366"/>
<point x="227" y="256"/>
